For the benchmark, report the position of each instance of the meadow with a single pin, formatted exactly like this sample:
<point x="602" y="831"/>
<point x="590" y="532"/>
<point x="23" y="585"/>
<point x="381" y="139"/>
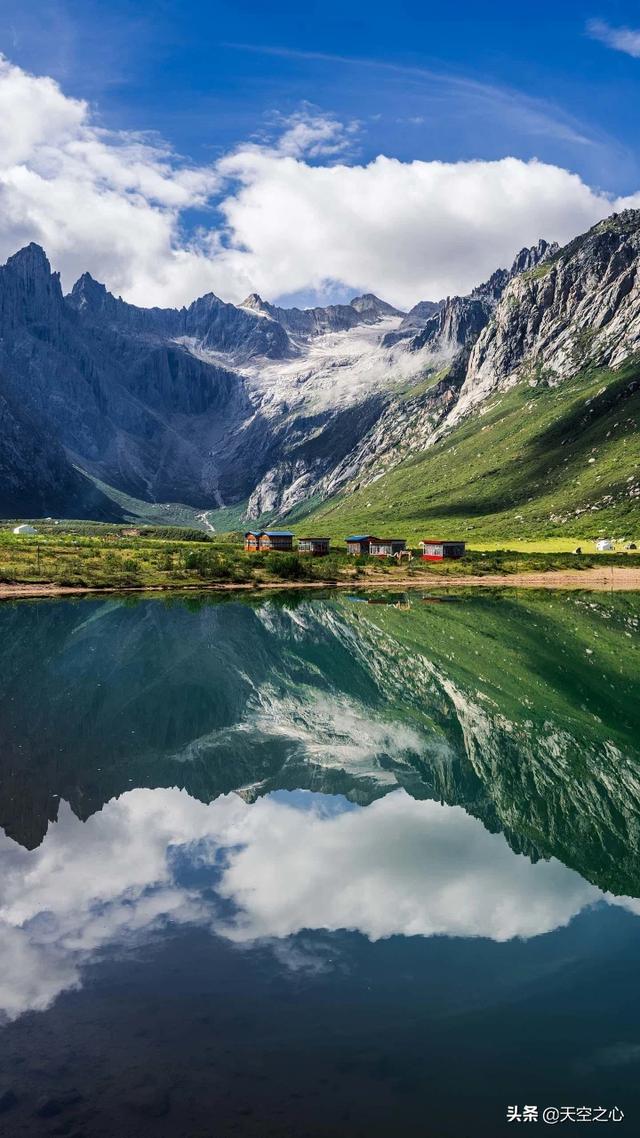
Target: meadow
<point x="90" y="555"/>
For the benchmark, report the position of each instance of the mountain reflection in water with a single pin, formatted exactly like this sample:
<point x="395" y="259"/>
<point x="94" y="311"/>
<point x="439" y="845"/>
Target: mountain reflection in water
<point x="269" y="772"/>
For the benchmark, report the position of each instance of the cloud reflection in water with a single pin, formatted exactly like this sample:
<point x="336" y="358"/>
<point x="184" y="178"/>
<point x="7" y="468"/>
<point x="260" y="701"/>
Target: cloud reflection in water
<point x="281" y="865"/>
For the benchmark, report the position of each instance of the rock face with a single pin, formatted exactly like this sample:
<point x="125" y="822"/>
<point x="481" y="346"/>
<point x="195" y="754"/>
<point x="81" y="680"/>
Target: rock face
<point x="307" y="322"/>
<point x="372" y="308"/>
<point x="120" y="399"/>
<point x="36" y="478"/>
<point x="205" y="405"/>
<point x="578" y="307"/>
<point x="460" y="319"/>
<point x="217" y="403"/>
<point x="553" y="313"/>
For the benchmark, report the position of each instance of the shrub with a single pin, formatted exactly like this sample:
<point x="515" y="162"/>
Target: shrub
<point x="288" y="566"/>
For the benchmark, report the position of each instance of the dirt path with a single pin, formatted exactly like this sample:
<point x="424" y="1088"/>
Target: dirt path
<point x="618" y="578"/>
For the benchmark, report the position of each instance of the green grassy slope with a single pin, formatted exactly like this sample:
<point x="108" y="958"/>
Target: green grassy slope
<point x="533" y="462"/>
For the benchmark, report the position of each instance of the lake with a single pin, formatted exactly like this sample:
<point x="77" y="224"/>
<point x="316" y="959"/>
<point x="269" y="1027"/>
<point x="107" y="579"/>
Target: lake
<point x="320" y="865"/>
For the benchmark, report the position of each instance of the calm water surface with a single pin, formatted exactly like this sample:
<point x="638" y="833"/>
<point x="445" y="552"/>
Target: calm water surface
<point x="317" y="866"/>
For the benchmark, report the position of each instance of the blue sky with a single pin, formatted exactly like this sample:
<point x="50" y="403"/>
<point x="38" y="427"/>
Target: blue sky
<point x="205" y="75"/>
<point x="411" y="81"/>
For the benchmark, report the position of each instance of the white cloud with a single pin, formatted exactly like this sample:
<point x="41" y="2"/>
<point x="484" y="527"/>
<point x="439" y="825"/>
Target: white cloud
<point x="313" y="135"/>
<point x="404" y="230"/>
<point x="95" y="199"/>
<point x="115" y="203"/>
<point x="397" y="867"/>
<point x="626" y="40"/>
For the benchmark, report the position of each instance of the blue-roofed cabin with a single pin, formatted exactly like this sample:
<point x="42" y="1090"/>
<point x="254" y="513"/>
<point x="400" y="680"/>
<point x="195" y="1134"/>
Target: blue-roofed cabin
<point x="359" y="543"/>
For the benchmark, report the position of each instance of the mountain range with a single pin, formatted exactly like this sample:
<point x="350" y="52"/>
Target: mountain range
<point x="510" y="410"/>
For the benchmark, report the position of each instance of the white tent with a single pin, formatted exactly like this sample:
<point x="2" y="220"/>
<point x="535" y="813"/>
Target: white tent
<point x="25" y="529"/>
<point x="605" y="545"/>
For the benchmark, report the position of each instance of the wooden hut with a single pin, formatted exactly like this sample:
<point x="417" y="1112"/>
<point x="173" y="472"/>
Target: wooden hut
<point x="252" y="541"/>
<point x="265" y="540"/>
<point x="316" y="546"/>
<point x="279" y="539"/>
<point x="386" y="546"/>
<point x="439" y="550"/>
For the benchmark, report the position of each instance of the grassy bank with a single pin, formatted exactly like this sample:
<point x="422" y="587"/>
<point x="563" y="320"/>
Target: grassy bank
<point x="536" y="462"/>
<point x="93" y="556"/>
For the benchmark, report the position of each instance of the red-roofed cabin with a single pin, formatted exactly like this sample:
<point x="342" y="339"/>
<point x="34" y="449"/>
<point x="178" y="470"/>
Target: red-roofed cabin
<point x="439" y="550"/>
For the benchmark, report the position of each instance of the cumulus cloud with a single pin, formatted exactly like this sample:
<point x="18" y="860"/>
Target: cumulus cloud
<point x="93" y="198"/>
<point x="296" y="215"/>
<point x="626" y="40"/>
<point x="397" y="867"/>
<point x="312" y="135"/>
<point x="405" y="230"/>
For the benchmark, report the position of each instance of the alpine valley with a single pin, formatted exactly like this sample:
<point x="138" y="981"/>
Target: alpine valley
<point x="508" y="412"/>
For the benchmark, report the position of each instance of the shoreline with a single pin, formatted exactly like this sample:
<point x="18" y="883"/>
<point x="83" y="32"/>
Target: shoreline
<point x="616" y="578"/>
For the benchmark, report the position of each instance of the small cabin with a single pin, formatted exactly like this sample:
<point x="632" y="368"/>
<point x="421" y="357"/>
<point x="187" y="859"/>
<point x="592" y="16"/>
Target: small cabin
<point x="252" y="541"/>
<point x="265" y="540"/>
<point x="439" y="550"/>
<point x="279" y="539"/>
<point x="316" y="546"/>
<point x="359" y="543"/>
<point x="386" y="546"/>
<point x="25" y="529"/>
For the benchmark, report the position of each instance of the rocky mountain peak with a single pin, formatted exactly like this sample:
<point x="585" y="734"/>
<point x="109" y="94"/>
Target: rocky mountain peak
<point x="255" y="302"/>
<point x="369" y="304"/>
<point x="421" y="312"/>
<point x="623" y="223"/>
<point x="459" y="320"/>
<point x="576" y="308"/>
<point x="29" y="262"/>
<point x="528" y="258"/>
<point x="88" y="293"/>
<point x="29" y="290"/>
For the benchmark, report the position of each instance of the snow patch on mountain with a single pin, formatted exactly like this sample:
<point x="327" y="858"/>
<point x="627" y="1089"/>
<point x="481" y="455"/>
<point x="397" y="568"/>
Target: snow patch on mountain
<point x="332" y="370"/>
